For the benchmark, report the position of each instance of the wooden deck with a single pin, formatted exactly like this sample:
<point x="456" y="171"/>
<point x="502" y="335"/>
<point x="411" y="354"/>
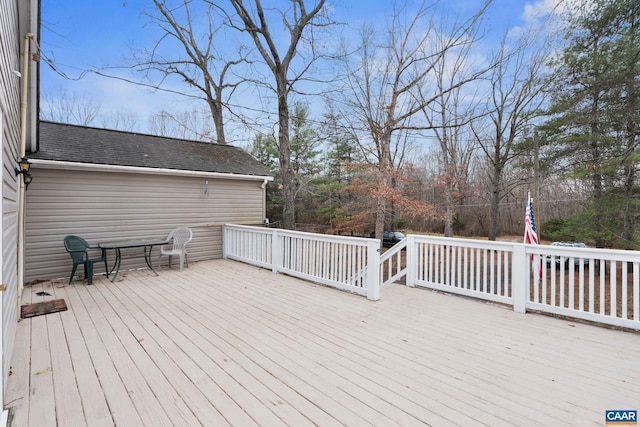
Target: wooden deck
<point x="223" y="343"/>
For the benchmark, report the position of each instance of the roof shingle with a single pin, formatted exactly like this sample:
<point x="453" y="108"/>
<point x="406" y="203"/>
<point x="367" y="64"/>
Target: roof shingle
<point x="71" y="143"/>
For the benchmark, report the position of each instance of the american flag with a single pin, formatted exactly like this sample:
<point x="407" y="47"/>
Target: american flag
<point x="531" y="236"/>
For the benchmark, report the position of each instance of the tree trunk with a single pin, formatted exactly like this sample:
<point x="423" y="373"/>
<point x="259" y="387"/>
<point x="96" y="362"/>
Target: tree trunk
<point x="494" y="204"/>
<point x="629" y="214"/>
<point x="597" y="201"/>
<point x="493" y="212"/>
<point x="596" y="179"/>
<point x="447" y="178"/>
<point x="216" y="112"/>
<point x="448" y="222"/>
<point x="449" y="201"/>
<point x="284" y="155"/>
<point x="384" y="182"/>
<point x="381" y="207"/>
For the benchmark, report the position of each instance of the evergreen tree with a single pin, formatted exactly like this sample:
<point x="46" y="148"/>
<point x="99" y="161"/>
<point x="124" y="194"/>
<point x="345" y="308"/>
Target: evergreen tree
<point x="340" y="157"/>
<point x="594" y="118"/>
<point x="265" y="150"/>
<point x="305" y="162"/>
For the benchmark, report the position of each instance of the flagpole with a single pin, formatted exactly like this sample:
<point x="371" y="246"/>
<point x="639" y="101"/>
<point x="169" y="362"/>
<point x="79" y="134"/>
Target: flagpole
<point x="536" y="179"/>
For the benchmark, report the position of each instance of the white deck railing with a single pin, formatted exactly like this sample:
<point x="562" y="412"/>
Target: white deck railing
<point x="474" y="268"/>
<point x="392" y="267"/>
<point x="599" y="285"/>
<point x="347" y="263"/>
<point x="591" y="284"/>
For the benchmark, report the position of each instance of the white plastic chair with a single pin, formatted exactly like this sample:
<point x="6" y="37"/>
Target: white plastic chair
<point x="179" y="237"/>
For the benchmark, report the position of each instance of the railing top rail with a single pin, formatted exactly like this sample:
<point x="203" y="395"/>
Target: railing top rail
<point x="566" y="251"/>
<point x="454" y="241"/>
<point x="359" y="241"/>
<point x="252" y="228"/>
<point x="402" y="244"/>
<point x="596" y="253"/>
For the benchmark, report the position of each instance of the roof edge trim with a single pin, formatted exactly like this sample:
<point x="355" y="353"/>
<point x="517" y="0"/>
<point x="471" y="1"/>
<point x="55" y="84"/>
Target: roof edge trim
<point x="58" y="164"/>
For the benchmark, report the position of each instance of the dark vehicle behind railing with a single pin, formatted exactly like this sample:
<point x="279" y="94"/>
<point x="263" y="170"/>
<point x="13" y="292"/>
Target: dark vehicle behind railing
<point x="390" y="238"/>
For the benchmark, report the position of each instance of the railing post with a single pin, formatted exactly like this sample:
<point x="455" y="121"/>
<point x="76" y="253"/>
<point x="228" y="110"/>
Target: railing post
<point x="520" y="278"/>
<point x="225" y="241"/>
<point x="276" y="257"/>
<point x="412" y="261"/>
<point x="373" y="270"/>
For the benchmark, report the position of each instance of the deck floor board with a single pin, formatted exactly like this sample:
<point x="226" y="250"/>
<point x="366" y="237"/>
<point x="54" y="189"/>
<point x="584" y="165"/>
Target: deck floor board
<point x="223" y="343"/>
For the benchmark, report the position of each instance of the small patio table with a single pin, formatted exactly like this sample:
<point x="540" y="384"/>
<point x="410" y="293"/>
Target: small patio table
<point x="146" y="244"/>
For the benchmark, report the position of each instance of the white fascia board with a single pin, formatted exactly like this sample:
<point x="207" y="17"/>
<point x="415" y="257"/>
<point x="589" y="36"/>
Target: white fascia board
<point x="57" y="164"/>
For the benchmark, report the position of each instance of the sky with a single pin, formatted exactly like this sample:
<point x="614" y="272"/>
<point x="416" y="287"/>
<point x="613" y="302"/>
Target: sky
<point x="79" y="35"/>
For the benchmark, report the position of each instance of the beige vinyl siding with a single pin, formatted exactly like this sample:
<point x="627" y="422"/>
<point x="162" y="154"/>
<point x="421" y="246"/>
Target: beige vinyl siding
<point x="10" y="138"/>
<point x="105" y="206"/>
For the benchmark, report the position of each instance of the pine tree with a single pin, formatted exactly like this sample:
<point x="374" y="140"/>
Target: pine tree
<point x="594" y="118"/>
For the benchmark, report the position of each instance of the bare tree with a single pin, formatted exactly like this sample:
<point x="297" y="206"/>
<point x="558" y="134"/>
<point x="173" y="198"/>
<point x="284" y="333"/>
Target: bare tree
<point x="72" y="108"/>
<point x="193" y="125"/>
<point x="121" y="120"/>
<point x="69" y="108"/>
<point x="514" y="101"/>
<point x="385" y="93"/>
<point x="202" y="66"/>
<point x="449" y="116"/>
<point x="296" y="19"/>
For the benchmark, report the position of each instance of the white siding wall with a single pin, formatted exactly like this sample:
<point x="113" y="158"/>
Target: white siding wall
<point x="10" y="137"/>
<point x="103" y="206"/>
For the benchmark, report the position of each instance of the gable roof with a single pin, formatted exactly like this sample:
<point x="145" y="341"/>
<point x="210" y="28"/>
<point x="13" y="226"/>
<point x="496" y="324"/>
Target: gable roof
<point x="81" y="144"/>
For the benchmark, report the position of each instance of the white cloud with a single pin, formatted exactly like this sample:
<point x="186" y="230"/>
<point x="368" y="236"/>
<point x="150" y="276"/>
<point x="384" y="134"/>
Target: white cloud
<point x="546" y="16"/>
<point x="540" y="10"/>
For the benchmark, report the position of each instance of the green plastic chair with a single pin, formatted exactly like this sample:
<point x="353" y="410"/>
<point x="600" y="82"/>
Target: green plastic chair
<point x="78" y="248"/>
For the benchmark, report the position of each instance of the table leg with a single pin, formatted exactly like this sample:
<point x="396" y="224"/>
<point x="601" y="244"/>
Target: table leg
<point x="106" y="267"/>
<point x="116" y="265"/>
<point x="110" y="272"/>
<point x="147" y="258"/>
